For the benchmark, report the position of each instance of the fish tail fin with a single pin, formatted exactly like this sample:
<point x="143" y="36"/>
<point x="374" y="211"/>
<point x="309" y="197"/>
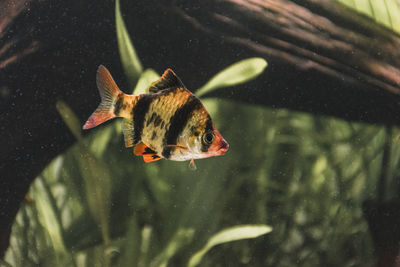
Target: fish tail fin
<point x="111" y="99"/>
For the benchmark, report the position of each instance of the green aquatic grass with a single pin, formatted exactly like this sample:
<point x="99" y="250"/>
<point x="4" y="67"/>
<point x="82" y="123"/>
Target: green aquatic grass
<point x="304" y="176"/>
<point x="129" y="59"/>
<point x="95" y="175"/>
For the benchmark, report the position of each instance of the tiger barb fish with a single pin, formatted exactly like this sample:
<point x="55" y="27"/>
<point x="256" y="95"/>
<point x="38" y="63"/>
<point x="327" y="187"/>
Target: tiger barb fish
<point x="169" y="122"/>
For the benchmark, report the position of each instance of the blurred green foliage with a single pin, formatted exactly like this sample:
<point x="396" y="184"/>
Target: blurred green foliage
<point x="385" y="12"/>
<point x="306" y="176"/>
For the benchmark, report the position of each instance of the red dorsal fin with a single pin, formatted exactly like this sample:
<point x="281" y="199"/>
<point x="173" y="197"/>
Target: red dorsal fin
<point x="168" y="80"/>
<point x="109" y="93"/>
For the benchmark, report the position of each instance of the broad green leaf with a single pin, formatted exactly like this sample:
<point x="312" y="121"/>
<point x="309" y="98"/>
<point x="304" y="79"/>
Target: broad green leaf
<point x="130" y="61"/>
<point x="386" y="12"/>
<point x="70" y="119"/>
<point x="148" y="76"/>
<point x="181" y="238"/>
<point x="229" y="235"/>
<point x="240" y="72"/>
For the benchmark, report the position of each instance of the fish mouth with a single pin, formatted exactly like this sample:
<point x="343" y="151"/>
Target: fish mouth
<point x="223" y="147"/>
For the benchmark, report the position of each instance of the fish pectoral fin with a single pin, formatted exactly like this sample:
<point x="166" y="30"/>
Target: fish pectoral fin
<point x="151" y="157"/>
<point x="142" y="149"/>
<point x="178" y="147"/>
<point x="192" y="165"/>
<point x="127" y="129"/>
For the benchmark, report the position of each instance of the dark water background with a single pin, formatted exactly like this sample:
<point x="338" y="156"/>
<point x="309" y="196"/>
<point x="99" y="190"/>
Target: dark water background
<point x="312" y="155"/>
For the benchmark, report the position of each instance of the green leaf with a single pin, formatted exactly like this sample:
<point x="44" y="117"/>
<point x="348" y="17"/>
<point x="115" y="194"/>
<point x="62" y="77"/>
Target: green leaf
<point x="3" y="263"/>
<point x="130" y="61"/>
<point x="145" y="246"/>
<point x="228" y="235"/>
<point x="70" y="119"/>
<point x="385" y="12"/>
<point x="240" y="72"/>
<point x="147" y="77"/>
<point x="132" y="245"/>
<point x="102" y="139"/>
<point x="182" y="237"/>
<point x="97" y="180"/>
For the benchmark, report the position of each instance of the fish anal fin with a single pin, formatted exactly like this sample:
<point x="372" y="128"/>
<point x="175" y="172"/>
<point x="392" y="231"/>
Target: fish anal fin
<point x="167" y="80"/>
<point x="127" y="129"/>
<point x="150" y="158"/>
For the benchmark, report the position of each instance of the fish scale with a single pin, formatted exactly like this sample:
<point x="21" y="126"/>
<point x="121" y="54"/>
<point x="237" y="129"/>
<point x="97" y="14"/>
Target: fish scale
<point x="165" y="107"/>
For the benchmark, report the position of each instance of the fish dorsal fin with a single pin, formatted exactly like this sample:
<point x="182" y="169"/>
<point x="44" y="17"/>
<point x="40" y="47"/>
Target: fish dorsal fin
<point x="167" y="80"/>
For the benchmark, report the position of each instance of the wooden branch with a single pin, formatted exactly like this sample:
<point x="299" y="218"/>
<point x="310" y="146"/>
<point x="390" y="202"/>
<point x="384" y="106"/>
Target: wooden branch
<point x="318" y="42"/>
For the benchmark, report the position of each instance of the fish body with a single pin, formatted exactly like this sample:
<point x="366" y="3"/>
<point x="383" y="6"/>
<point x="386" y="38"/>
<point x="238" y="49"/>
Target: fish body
<point x="169" y="122"/>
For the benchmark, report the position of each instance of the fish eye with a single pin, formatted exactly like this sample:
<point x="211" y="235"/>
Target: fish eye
<point x="208" y="138"/>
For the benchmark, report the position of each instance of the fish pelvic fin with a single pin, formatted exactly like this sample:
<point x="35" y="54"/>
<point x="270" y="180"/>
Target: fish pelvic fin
<point x="150" y="158"/>
<point x="112" y="99"/>
<point x="142" y="149"/>
<point x="148" y="154"/>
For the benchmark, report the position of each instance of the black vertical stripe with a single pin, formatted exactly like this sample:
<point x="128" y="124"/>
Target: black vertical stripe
<point x="139" y="112"/>
<point x="178" y="122"/>
<point x="118" y="104"/>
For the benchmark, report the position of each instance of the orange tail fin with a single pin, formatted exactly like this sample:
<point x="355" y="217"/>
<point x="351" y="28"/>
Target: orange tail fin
<point x="110" y="95"/>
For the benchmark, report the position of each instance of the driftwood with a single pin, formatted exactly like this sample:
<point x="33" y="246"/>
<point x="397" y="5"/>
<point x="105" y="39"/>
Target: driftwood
<point x="323" y="58"/>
